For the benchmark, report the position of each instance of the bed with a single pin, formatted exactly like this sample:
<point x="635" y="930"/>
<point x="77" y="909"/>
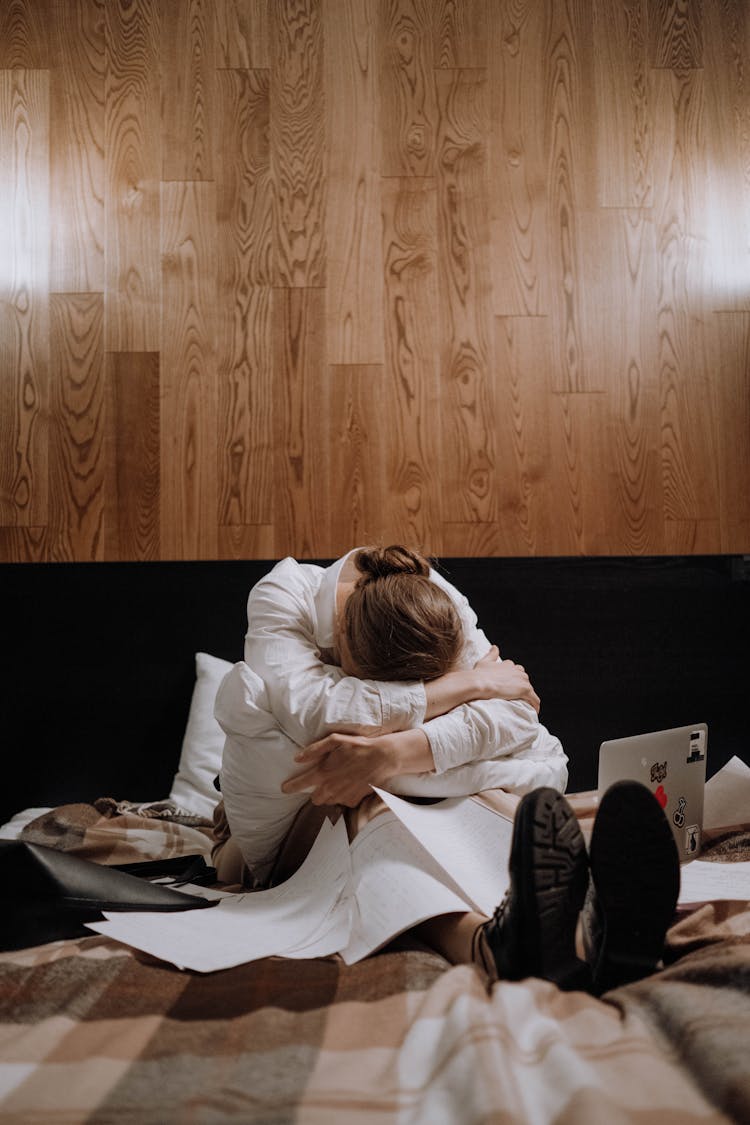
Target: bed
<point x="93" y="1030"/>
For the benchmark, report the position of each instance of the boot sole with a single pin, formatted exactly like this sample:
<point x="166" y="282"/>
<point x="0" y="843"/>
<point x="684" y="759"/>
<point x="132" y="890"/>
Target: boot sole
<point x="548" y="856"/>
<point x="635" y="871"/>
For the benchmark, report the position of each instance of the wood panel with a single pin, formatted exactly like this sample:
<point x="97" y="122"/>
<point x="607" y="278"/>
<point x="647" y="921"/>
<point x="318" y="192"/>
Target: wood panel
<point x="413" y="434"/>
<point x="409" y="114"/>
<point x="297" y="142"/>
<point x="77" y="147"/>
<point x="358" y="457"/>
<point x="24" y="42"/>
<point x="132" y="469"/>
<point x="687" y="407"/>
<point x="526" y="476"/>
<point x="244" y="325"/>
<point x="623" y="111"/>
<point x="727" y="130"/>
<point x="189" y="493"/>
<point x="24" y="313"/>
<point x="569" y="96"/>
<point x="77" y="431"/>
<point x="354" y="310"/>
<point x="732" y="334"/>
<point x="132" y="176"/>
<point x="187" y="86"/>
<point x="302" y="512"/>
<point x="242" y="34"/>
<point x="470" y="274"/>
<point x="465" y="344"/>
<point x="622" y="347"/>
<point x="518" y="203"/>
<point x="675" y="34"/>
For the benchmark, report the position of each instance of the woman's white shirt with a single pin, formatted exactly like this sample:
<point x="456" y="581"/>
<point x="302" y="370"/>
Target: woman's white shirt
<point x="283" y="696"/>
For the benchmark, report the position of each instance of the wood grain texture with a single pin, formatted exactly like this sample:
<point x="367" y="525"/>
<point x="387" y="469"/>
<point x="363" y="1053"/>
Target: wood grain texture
<point x="409" y="114"/>
<point x="465" y="343"/>
<point x="622" y="348"/>
<point x="189" y="493"/>
<point x="353" y="237"/>
<point x="469" y="274"/>
<point x="460" y="33"/>
<point x="623" y="113"/>
<point x="732" y="336"/>
<point x="358" y="456"/>
<point x="24" y="323"/>
<point x="24" y="28"/>
<point x="526" y="474"/>
<point x="132" y="176"/>
<point x="302" y="482"/>
<point x="187" y="87"/>
<point x="132" y="470"/>
<point x="414" y="437"/>
<point x="297" y="143"/>
<point x="77" y="429"/>
<point x="77" y="147"/>
<point x="569" y="93"/>
<point x="245" y="272"/>
<point x="242" y="34"/>
<point x="687" y="407"/>
<point x="518" y="201"/>
<point x="675" y="33"/>
<point x="727" y="131"/>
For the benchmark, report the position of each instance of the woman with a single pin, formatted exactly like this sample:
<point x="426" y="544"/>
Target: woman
<point x="373" y="671"/>
<point x="370" y="671"/>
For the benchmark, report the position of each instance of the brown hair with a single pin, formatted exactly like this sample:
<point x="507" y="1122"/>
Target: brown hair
<point x="399" y="624"/>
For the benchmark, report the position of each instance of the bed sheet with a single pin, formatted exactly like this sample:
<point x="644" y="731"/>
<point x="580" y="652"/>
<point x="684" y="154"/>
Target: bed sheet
<point x="91" y="1030"/>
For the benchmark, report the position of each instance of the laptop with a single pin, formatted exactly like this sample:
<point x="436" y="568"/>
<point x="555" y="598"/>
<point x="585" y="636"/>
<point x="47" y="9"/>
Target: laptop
<point x="672" y="764"/>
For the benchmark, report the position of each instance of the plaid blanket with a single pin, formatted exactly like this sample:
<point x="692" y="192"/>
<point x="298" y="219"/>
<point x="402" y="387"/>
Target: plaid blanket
<point x="93" y="1031"/>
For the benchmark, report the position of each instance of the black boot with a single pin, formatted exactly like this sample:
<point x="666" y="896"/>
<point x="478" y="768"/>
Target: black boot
<point x="532" y="933"/>
<point x="635" y="883"/>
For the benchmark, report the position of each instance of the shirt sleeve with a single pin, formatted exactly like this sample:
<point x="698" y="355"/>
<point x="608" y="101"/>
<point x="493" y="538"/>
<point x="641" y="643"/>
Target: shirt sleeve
<point x="484" y="729"/>
<point x="308" y="698"/>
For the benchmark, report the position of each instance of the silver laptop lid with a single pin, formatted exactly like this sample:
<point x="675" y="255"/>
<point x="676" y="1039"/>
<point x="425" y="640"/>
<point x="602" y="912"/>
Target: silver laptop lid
<point x="672" y="764"/>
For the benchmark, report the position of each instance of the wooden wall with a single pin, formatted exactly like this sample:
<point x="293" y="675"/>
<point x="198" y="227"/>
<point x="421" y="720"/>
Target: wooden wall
<point x="279" y="276"/>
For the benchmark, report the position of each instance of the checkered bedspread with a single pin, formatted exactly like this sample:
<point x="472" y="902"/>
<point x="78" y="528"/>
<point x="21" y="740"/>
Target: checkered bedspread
<point x="91" y="1030"/>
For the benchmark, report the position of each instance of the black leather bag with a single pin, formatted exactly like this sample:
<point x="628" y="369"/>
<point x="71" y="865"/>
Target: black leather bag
<point x="47" y="895"/>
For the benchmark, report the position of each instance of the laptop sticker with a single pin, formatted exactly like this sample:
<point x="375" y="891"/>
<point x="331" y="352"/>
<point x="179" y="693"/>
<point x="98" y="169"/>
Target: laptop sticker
<point x="678" y="816"/>
<point x="692" y="838"/>
<point x="658" y="772"/>
<point x="661" y="796"/>
<point x="697" y="747"/>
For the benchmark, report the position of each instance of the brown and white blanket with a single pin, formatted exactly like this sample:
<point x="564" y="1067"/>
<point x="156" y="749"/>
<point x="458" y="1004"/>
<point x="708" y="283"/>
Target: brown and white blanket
<point x="94" y="1031"/>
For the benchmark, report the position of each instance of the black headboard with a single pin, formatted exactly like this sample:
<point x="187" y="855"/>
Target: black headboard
<point x="100" y="658"/>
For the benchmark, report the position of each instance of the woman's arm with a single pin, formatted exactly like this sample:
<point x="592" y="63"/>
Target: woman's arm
<point x="307" y="697"/>
<point x="340" y="768"/>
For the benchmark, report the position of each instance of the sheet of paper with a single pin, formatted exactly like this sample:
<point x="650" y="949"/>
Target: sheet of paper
<point x="708" y="882"/>
<point x="398" y="884"/>
<point x="470" y="841"/>
<point x="310" y="912"/>
<point x="727" y="799"/>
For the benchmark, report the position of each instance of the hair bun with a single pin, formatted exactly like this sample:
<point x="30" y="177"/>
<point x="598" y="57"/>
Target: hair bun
<point x="379" y="562"/>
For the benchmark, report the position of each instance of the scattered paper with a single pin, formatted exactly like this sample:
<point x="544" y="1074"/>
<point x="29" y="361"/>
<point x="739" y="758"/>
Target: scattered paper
<point x="307" y="916"/>
<point x="398" y="885"/>
<point x="727" y="797"/>
<point x="469" y="840"/>
<point x="712" y="882"/>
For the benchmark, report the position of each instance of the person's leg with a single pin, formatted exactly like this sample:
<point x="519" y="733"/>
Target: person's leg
<point x="459" y="938"/>
<point x="635" y="883"/>
<point x="533" y="931"/>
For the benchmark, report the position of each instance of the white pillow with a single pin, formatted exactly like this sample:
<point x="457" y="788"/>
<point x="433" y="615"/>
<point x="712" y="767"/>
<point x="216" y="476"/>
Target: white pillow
<point x="203" y="745"/>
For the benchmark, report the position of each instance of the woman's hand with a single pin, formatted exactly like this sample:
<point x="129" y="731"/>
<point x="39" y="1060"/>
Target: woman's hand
<point x="341" y="768"/>
<point x="503" y="679"/>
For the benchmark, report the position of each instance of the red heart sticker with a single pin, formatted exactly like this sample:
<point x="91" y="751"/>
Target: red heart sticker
<point x="661" y="796"/>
